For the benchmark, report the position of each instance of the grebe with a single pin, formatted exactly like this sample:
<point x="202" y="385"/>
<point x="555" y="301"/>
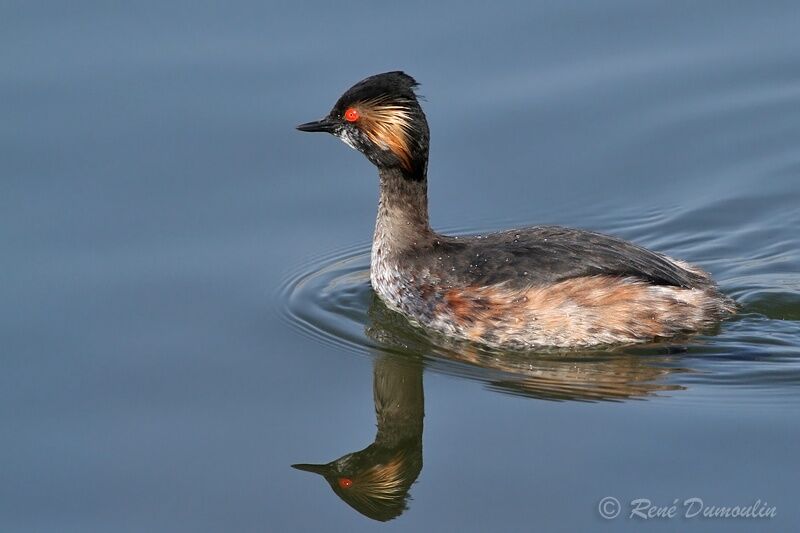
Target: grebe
<point x="375" y="481"/>
<point x="542" y="286"/>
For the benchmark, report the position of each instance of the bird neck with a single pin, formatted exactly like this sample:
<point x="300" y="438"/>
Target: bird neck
<point x="402" y="210"/>
<point x="399" y="400"/>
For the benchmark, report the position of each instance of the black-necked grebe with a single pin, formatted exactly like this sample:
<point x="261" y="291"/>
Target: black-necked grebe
<point x="521" y="289"/>
<point x="375" y="481"/>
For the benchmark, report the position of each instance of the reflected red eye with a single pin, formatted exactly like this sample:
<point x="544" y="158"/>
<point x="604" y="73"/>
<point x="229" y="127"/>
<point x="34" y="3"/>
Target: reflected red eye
<point x="351" y="115"/>
<point x="345" y="482"/>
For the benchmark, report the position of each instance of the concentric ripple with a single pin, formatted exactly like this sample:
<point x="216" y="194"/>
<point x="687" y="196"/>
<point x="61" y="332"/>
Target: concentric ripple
<point x="328" y="300"/>
<point x="753" y="357"/>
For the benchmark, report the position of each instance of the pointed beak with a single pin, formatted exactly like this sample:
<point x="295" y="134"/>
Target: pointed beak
<point x="322" y="470"/>
<point x="326" y="124"/>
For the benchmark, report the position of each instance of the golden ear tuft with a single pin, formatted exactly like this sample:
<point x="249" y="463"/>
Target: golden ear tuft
<point x="388" y="125"/>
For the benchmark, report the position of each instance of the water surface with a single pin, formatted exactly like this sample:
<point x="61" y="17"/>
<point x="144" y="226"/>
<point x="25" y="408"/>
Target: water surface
<point x="186" y="309"/>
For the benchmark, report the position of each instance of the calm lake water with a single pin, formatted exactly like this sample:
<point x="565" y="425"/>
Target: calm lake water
<point x="185" y="309"/>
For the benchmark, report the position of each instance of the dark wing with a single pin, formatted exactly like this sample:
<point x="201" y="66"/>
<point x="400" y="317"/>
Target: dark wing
<point x="548" y="254"/>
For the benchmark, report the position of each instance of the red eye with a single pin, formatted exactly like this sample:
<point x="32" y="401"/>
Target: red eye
<point x="345" y="482"/>
<point x="351" y="115"/>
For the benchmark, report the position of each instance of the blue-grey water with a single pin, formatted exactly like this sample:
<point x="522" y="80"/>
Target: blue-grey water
<point x="185" y="307"/>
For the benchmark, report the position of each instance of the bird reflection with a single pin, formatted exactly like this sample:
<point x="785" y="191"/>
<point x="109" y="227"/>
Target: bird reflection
<point x="375" y="481"/>
<point x="620" y="374"/>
